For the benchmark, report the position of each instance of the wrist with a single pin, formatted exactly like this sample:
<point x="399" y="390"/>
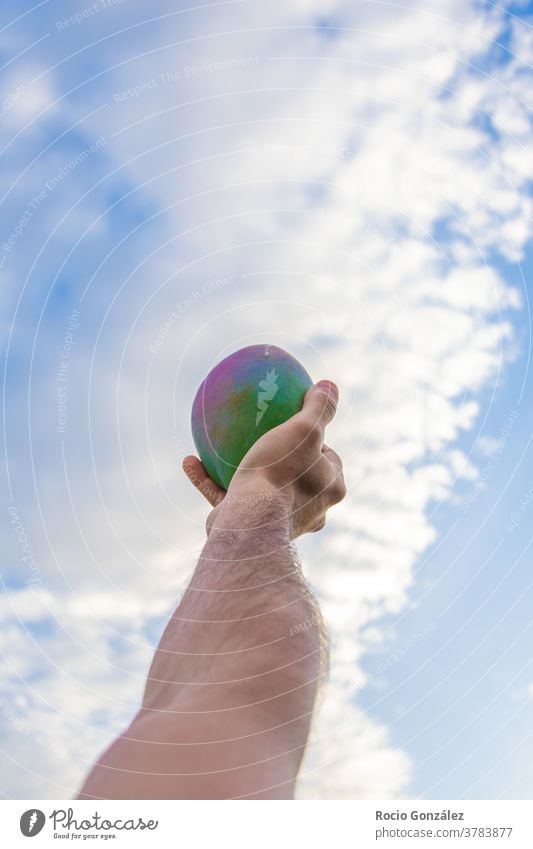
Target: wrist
<point x="251" y="504"/>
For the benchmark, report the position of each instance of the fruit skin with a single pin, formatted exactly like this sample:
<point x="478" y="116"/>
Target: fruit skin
<point x="244" y="396"/>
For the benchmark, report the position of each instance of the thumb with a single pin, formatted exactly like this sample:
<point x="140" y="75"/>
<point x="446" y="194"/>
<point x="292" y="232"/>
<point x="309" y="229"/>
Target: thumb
<point x="320" y="402"/>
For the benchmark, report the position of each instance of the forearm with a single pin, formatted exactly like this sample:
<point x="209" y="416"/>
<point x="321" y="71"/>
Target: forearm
<point x="231" y="689"/>
<point x="230" y="635"/>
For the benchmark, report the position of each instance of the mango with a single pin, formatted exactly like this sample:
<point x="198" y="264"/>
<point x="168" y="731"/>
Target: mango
<point x="243" y="397"/>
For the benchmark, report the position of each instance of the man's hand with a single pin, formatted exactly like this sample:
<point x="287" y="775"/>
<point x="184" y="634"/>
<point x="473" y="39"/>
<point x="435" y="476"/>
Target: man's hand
<point x="230" y="694"/>
<point x="291" y="461"/>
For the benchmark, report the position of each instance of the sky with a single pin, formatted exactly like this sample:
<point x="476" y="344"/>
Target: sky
<point x="352" y="182"/>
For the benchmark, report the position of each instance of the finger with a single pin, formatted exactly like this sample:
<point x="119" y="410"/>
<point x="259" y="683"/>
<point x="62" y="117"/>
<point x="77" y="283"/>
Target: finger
<point x="337" y="486"/>
<point x="320" y="403"/>
<point x="198" y="476"/>
<point x="333" y="458"/>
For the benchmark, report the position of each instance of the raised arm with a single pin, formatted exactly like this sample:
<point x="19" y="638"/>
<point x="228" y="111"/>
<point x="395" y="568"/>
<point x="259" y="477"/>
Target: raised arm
<point x="231" y="689"/>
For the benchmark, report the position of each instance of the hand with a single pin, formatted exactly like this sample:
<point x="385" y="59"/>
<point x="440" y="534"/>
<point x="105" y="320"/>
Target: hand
<point x="290" y="462"/>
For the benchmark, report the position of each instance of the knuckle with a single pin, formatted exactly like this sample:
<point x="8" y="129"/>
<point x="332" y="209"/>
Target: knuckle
<point x="338" y="490"/>
<point x="330" y="409"/>
<point x="315" y="432"/>
<point x="335" y="457"/>
<point x="329" y="405"/>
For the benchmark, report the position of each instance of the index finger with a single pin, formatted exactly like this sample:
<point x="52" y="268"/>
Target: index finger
<point x="198" y="476"/>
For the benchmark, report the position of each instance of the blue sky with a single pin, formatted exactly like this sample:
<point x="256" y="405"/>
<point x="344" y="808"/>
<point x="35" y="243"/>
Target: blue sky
<point x="364" y="195"/>
<point x="456" y="693"/>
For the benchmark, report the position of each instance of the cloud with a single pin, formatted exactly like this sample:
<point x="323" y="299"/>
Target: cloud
<point x="358" y="189"/>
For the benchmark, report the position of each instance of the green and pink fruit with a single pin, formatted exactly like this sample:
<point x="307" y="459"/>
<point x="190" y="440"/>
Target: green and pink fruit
<point x="243" y="397"/>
